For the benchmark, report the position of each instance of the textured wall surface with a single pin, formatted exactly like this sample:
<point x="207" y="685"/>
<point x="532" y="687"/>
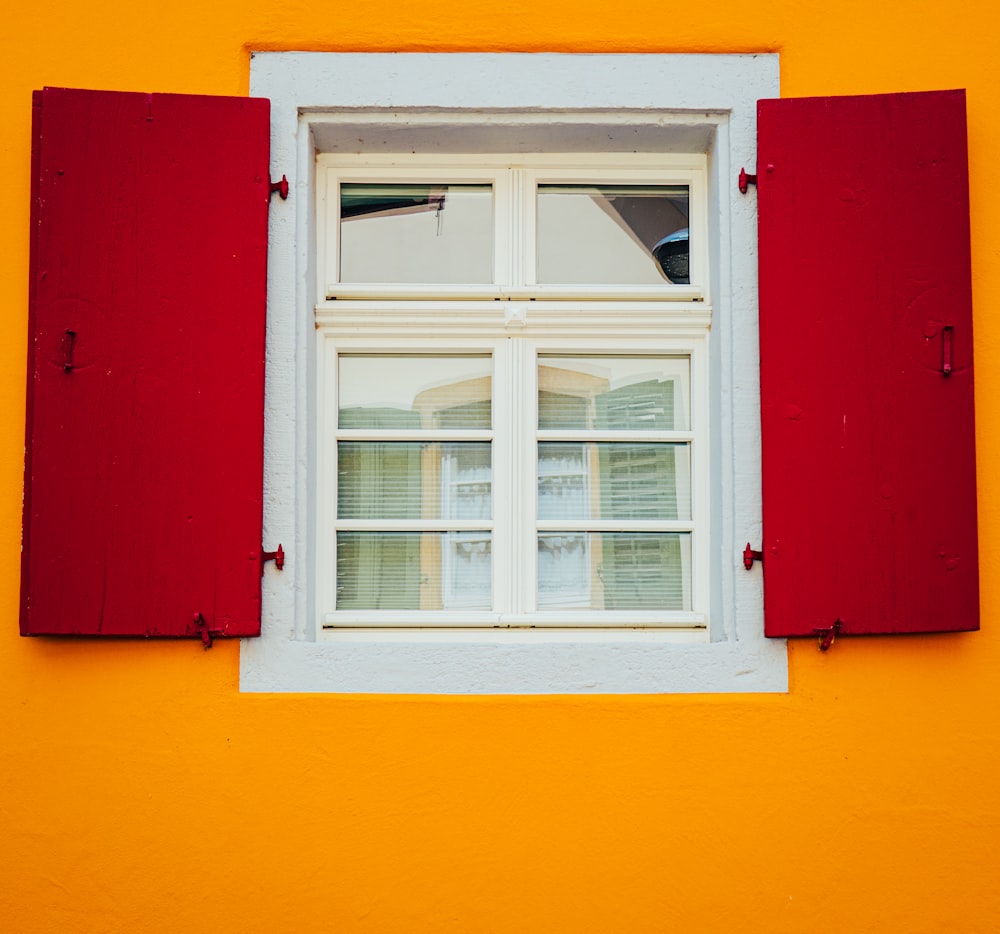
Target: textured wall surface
<point x="141" y="792"/>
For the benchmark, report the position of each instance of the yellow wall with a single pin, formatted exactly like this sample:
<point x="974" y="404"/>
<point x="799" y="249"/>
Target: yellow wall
<point x="141" y="792"/>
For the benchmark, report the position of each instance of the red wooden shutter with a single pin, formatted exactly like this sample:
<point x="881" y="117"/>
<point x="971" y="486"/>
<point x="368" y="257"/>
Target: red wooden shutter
<point x="866" y="365"/>
<point x="144" y="453"/>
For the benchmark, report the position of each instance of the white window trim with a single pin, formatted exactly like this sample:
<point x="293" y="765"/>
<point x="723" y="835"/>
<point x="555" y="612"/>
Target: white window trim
<point x="675" y="99"/>
<point x="676" y="324"/>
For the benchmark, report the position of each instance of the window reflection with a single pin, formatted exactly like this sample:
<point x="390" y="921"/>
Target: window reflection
<point x="416" y="233"/>
<point x="640" y="478"/>
<point x="607" y="234"/>
<point x="432" y="479"/>
<point x="623" y="481"/>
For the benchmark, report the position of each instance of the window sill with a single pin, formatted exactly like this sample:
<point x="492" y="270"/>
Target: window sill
<point x="513" y="662"/>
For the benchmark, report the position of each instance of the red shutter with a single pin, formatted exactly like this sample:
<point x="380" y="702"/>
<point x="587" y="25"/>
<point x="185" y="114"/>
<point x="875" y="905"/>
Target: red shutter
<point x="866" y="365"/>
<point x="144" y="452"/>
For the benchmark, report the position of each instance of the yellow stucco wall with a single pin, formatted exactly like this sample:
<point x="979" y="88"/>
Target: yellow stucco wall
<point x="141" y="792"/>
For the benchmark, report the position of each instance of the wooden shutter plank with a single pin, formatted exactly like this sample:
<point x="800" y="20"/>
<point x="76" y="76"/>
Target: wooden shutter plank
<point x="143" y="501"/>
<point x="869" y="488"/>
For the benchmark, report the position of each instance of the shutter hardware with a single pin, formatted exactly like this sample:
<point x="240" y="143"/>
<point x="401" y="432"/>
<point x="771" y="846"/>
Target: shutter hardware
<point x="280" y="187"/>
<point x="68" y="341"/>
<point x="278" y="557"/>
<point x="946" y="335"/>
<point x="826" y="636"/>
<point x="745" y="179"/>
<point x="749" y="556"/>
<point x="205" y="633"/>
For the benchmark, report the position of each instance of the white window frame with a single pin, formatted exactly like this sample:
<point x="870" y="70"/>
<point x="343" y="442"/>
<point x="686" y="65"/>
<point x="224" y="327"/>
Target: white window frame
<point x="661" y="103"/>
<point x="429" y="321"/>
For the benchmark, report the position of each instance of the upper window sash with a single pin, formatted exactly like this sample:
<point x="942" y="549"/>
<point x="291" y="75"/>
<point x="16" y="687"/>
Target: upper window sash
<point x="514" y="222"/>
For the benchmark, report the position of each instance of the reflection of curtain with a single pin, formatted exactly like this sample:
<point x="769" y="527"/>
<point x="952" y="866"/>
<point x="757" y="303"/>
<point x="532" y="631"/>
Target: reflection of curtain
<point x="378" y="479"/>
<point x="467" y="483"/>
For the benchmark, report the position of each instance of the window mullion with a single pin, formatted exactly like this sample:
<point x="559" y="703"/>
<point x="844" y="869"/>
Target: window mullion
<point x="504" y="487"/>
<point x="517" y="238"/>
<point x="514" y="500"/>
<point x="527" y="466"/>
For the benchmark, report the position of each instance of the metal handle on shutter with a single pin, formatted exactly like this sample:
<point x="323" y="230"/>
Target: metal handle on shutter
<point x="947" y="333"/>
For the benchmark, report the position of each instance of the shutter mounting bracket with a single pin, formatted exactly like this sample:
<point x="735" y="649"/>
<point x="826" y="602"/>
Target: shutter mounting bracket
<point x="826" y="637"/>
<point x="280" y="187"/>
<point x="749" y="556"/>
<point x="204" y="632"/>
<point x="745" y="180"/>
<point x="278" y="557"/>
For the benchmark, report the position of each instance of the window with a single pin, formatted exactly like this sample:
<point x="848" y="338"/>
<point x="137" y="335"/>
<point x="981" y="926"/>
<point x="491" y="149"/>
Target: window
<point x="507" y="455"/>
<point x="509" y="433"/>
<point x="563" y="342"/>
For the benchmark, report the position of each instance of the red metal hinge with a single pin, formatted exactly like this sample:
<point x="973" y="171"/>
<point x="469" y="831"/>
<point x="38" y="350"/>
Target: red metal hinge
<point x="281" y="188"/>
<point x="749" y="556"/>
<point x="826" y="636"/>
<point x="278" y="557"/>
<point x="204" y="632"/>
<point x="745" y="180"/>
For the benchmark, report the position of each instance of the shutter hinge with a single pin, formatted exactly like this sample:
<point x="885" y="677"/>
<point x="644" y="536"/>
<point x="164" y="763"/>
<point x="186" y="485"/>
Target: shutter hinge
<point x="204" y="632"/>
<point x="278" y="557"/>
<point x="749" y="556"/>
<point x="826" y="636"/>
<point x="746" y="179"/>
<point x="280" y="187"/>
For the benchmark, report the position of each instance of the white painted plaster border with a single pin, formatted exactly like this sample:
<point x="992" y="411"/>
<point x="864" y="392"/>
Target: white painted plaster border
<point x="719" y="91"/>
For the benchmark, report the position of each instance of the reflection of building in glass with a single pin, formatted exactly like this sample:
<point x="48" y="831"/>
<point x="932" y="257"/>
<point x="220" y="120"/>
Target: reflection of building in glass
<point x="625" y="480"/>
<point x="456" y="567"/>
<point x="581" y="477"/>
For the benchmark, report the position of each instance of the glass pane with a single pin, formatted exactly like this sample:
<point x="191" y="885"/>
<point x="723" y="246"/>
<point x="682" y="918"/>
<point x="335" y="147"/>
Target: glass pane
<point x="414" y="570"/>
<point x="416" y="233"/>
<point x="413" y="480"/>
<point x="613" y="234"/>
<point x="614" y="393"/>
<point x="412" y="392"/>
<point x="614" y="481"/>
<point x="614" y="570"/>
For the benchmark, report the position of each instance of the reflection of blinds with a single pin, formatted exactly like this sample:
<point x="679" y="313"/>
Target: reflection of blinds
<point x="561" y="410"/>
<point x="362" y="417"/>
<point x="378" y="570"/>
<point x="645" y="406"/>
<point x="642" y="571"/>
<point x="378" y="480"/>
<point x="470" y="415"/>
<point x="639" y="571"/>
<point x="638" y="481"/>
